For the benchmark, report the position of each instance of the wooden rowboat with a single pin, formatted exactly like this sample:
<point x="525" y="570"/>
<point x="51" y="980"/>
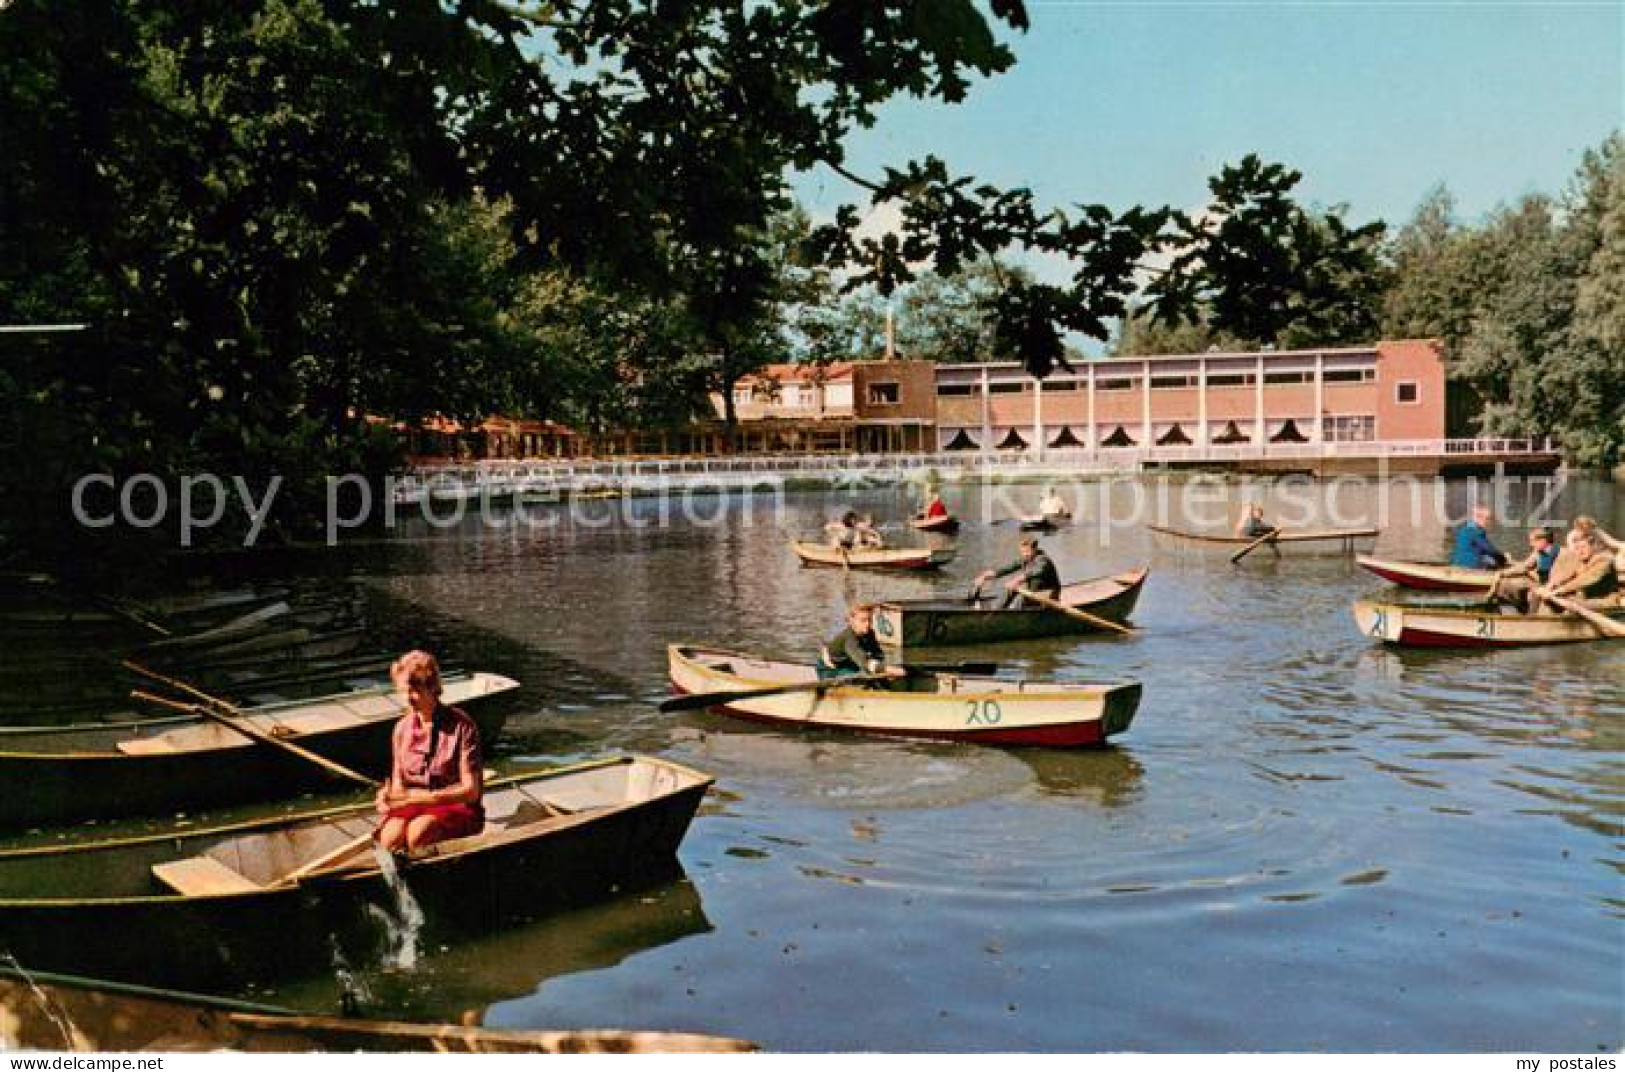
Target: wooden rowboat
<point x="226" y="906"/>
<point x="895" y="558"/>
<point x="106" y="771"/>
<point x="1286" y="542"/>
<point x="919" y="623"/>
<point x="1429" y="577"/>
<point x="1043" y="522"/>
<point x="1439" y="627"/>
<point x="68" y="1013"/>
<point x="945" y="524"/>
<point x="978" y="710"/>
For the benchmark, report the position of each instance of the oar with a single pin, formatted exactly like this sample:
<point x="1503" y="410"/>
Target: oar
<point x="1082" y="616"/>
<point x="846" y="563"/>
<point x="1250" y="548"/>
<point x="698" y="700"/>
<point x="1604" y="624"/>
<point x="232" y="717"/>
<point x="326" y="859"/>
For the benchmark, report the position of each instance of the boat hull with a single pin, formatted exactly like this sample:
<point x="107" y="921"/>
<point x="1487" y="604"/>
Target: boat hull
<point x="972" y="710"/>
<point x="1429" y="577"/>
<point x="63" y="777"/>
<point x="940" y="623"/>
<point x="129" y="929"/>
<point x="1434" y="627"/>
<point x="886" y="558"/>
<point x="1305" y="542"/>
<point x="944" y="525"/>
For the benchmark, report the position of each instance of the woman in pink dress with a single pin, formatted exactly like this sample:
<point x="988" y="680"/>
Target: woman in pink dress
<point x="436" y="778"/>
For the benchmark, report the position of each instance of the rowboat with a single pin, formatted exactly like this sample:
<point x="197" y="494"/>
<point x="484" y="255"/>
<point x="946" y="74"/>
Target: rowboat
<point x="56" y="774"/>
<point x="945" y="524"/>
<point x="1438" y="627"/>
<point x="1286" y="542"/>
<point x="1043" y="522"/>
<point x="1428" y="576"/>
<point x="898" y="558"/>
<point x="919" y="623"/>
<point x="230" y="905"/>
<point x="48" y="1011"/>
<point x="978" y="710"/>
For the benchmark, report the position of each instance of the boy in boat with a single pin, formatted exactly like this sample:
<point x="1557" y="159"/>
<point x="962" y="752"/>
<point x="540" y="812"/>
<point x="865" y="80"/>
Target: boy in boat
<point x="855" y="649"/>
<point x="1514" y="583"/>
<point x="1252" y="524"/>
<point x="1473" y="548"/>
<point x="436" y="778"/>
<point x="843" y="531"/>
<point x="1052" y="505"/>
<point x="934" y="506"/>
<point x="1033" y="571"/>
<point x="1594" y="585"/>
<point x="868" y="536"/>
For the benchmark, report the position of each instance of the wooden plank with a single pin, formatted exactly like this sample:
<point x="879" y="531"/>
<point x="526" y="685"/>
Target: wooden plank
<point x="202" y="876"/>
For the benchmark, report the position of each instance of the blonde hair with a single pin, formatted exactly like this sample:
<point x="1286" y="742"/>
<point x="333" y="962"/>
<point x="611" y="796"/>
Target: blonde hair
<point x="417" y="668"/>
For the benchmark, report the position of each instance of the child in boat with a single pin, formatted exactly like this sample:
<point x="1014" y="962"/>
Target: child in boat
<point x="843" y="531"/>
<point x="1594" y="584"/>
<point x="1033" y="571"/>
<point x="1514" y="583"/>
<point x="436" y="775"/>
<point x="868" y="535"/>
<point x="1473" y="548"/>
<point x="934" y="506"/>
<point x="855" y="649"/>
<point x="1052" y="505"/>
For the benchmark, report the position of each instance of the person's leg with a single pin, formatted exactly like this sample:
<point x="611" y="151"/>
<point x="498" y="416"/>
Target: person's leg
<point x="422" y="832"/>
<point x="392" y="834"/>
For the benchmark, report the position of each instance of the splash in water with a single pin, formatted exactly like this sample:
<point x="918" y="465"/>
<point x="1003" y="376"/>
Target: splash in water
<point x="404" y="925"/>
<point x="72" y="1038"/>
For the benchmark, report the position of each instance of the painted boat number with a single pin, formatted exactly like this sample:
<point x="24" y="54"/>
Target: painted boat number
<point x="984" y="713"/>
<point x="883" y="624"/>
<point x="1379" y="624"/>
<point x="1486" y="628"/>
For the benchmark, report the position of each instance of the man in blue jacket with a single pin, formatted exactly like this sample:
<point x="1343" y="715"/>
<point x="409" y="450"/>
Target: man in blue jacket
<point x="1473" y="547"/>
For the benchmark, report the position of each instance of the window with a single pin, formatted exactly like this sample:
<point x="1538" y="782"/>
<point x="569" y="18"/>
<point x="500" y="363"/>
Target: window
<point x="1352" y="375"/>
<point x="957" y="390"/>
<point x="1405" y="393"/>
<point x="1163" y="383"/>
<point x="1231" y="379"/>
<point x="1120" y="383"/>
<point x="1361" y="429"/>
<point x="1011" y="388"/>
<point x="1272" y="379"/>
<point x="883" y="394"/>
<point x="1051" y="386"/>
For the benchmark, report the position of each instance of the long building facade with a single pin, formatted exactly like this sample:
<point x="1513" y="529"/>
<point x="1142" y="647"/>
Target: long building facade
<point x="1392" y="391"/>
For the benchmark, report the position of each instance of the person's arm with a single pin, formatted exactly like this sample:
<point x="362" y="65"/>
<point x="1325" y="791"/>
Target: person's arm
<point x="994" y="574"/>
<point x="1608" y="541"/>
<point x="1594" y="571"/>
<point x="1523" y="568"/>
<point x="852" y="648"/>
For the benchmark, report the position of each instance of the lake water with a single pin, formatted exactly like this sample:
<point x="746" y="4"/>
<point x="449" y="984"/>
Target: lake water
<point x="1304" y="842"/>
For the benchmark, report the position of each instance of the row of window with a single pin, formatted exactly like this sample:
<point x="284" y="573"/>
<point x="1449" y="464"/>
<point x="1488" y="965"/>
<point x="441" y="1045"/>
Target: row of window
<point x="1361" y="429"/>
<point x="1164" y="382"/>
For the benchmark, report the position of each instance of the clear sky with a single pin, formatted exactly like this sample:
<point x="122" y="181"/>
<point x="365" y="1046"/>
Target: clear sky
<point x="1375" y="102"/>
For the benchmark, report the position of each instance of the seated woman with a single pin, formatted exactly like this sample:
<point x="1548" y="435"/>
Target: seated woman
<point x="436" y="777"/>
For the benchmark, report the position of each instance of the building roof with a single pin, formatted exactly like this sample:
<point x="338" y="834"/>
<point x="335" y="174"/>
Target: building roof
<point x="791" y="372"/>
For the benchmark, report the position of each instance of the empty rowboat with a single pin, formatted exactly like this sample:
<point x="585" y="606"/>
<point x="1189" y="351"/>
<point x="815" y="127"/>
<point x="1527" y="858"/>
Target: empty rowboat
<point x="1439" y="627"/>
<point x="108" y="771"/>
<point x="978" y="710"/>
<point x="1429" y="577"/>
<point x="919" y="623"/>
<point x="883" y="558"/>
<point x="1286" y="542"/>
<point x="188" y="907"/>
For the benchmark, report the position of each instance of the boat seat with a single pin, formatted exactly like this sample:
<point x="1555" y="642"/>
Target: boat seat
<point x="202" y="876"/>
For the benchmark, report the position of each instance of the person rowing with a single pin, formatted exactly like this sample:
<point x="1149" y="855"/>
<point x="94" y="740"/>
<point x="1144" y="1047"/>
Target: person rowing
<point x="934" y="507"/>
<point x="1033" y="571"/>
<point x="1595" y="584"/>
<point x="1252" y="525"/>
<point x="855" y="649"/>
<point x="1052" y="506"/>
<point x="843" y="531"/>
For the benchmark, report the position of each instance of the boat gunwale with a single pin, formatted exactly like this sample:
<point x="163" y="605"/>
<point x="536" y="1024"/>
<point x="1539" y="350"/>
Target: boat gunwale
<point x="1081" y="691"/>
<point x="1617" y="614"/>
<point x="1282" y="536"/>
<point x="1125" y="582"/>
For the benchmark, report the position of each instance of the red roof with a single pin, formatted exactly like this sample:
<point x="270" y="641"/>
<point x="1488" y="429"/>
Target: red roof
<point x="799" y="373"/>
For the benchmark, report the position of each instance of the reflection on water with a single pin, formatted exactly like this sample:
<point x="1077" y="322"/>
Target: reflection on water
<point x="1305" y="841"/>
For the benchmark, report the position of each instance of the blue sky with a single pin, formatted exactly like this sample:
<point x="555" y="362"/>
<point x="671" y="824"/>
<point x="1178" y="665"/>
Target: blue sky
<point x="1376" y="103"/>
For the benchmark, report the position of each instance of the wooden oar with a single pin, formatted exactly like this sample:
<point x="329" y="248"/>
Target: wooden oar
<point x="1082" y="616"/>
<point x="234" y="718"/>
<point x="1250" y="548"/>
<point x="698" y="700"/>
<point x="1604" y="624"/>
<point x="326" y="859"/>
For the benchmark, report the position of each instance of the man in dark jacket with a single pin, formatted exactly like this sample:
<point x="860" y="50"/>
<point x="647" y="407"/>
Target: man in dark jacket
<point x="1033" y="571"/>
